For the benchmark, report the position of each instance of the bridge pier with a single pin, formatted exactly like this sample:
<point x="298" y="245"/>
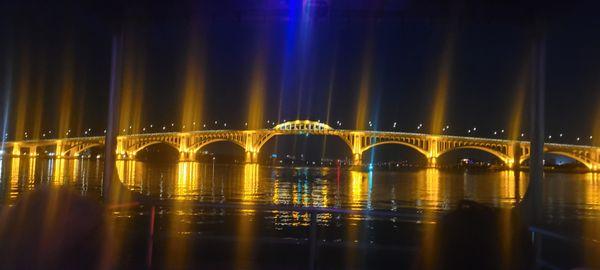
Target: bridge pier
<point x="125" y="156"/>
<point x="16" y="151"/>
<point x="356" y="161"/>
<point x="432" y="162"/>
<point x="187" y="156"/>
<point x="33" y="151"/>
<point x="250" y="157"/>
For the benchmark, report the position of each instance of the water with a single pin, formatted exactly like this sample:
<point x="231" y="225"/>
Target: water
<point x="252" y="236"/>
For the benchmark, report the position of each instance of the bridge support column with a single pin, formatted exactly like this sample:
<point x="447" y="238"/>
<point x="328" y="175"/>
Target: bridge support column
<point x="33" y="151"/>
<point x="357" y="159"/>
<point x="58" y="152"/>
<point x="16" y="151"/>
<point x="187" y="156"/>
<point x="251" y="157"/>
<point x="514" y="152"/>
<point x="432" y="162"/>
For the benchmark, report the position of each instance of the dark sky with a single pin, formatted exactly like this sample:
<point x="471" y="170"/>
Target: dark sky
<point x="397" y="46"/>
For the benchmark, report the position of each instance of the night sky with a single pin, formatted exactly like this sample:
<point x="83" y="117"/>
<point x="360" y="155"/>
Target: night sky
<point x="396" y="47"/>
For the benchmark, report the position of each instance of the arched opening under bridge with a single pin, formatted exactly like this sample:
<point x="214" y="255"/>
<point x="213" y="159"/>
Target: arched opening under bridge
<point x="560" y="160"/>
<point x="305" y="150"/>
<point x="472" y="157"/>
<point x="222" y="151"/>
<point x="394" y="155"/>
<point x="157" y="152"/>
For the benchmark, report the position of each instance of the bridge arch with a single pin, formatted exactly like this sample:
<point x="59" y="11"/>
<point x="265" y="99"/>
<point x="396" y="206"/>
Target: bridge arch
<point x="139" y="147"/>
<point x="195" y="148"/>
<point x="263" y="141"/>
<point x="418" y="149"/>
<point x="78" y="149"/>
<point x="504" y="158"/>
<point x="579" y="159"/>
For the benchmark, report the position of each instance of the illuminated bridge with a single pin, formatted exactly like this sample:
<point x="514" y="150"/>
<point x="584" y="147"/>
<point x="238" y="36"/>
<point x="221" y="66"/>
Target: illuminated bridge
<point x="512" y="153"/>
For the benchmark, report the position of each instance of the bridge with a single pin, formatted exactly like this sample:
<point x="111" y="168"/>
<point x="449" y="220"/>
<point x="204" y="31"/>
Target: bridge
<point x="511" y="152"/>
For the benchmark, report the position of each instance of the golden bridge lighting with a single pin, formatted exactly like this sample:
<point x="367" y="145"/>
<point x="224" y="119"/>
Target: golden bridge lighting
<point x="431" y="146"/>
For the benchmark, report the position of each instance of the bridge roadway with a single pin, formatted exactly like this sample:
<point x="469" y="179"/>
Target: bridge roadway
<point x="512" y="153"/>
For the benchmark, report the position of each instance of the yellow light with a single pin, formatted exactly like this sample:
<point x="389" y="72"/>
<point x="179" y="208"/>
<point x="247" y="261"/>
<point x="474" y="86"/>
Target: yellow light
<point x="442" y="87"/>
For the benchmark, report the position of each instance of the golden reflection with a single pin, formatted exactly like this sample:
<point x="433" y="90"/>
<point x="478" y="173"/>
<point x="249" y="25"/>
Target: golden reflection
<point x="591" y="226"/>
<point x="441" y="89"/>
<point x="186" y="183"/>
<point x="15" y="164"/>
<point x="58" y="171"/>
<point x="320" y="194"/>
<point x="429" y="188"/>
<point x="75" y="170"/>
<point x="507" y="190"/>
<point x="194" y="84"/>
<point x="127" y="173"/>
<point x="246" y="224"/>
<point x="251" y="178"/>
<point x="31" y="173"/>
<point x="187" y="180"/>
<point x="359" y="189"/>
<point x="120" y="167"/>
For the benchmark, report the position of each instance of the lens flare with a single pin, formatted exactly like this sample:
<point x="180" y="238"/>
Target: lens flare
<point x="23" y="87"/>
<point x="66" y="95"/>
<point x="257" y="92"/>
<point x="132" y="87"/>
<point x="442" y="87"/>
<point x="194" y="84"/>
<point x="515" y="124"/>
<point x="362" y="103"/>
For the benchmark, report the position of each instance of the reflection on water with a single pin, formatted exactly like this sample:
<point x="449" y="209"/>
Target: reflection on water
<point x="566" y="195"/>
<point x="568" y="198"/>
